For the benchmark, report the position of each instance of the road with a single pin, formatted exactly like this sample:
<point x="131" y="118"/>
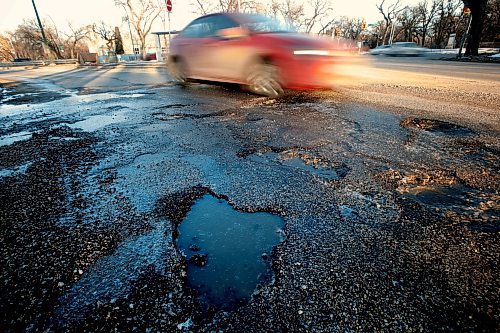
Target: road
<point x="372" y="206"/>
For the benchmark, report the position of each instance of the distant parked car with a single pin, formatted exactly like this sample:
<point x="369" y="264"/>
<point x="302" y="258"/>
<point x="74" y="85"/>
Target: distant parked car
<point x="21" y="59"/>
<point x="151" y="56"/>
<point x="381" y="49"/>
<point x="405" y="49"/>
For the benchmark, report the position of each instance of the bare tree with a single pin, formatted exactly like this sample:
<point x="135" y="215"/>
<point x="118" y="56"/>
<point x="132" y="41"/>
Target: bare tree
<point x="76" y="36"/>
<point x="202" y="7"/>
<point x="106" y="33"/>
<point x="29" y="38"/>
<point x="428" y="13"/>
<point x="349" y="28"/>
<point x="289" y="11"/>
<point x="389" y="13"/>
<point x="211" y="6"/>
<point x="7" y="52"/>
<point x="491" y="31"/>
<point x="408" y="19"/>
<point x="320" y="10"/>
<point x="447" y="21"/>
<point x="142" y="15"/>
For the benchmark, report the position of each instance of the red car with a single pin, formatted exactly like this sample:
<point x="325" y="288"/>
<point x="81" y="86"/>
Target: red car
<point x="252" y="50"/>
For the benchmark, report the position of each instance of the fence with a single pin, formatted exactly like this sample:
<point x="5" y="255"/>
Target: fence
<point x="38" y="63"/>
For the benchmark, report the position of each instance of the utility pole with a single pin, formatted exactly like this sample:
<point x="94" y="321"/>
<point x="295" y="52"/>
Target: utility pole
<point x="44" y="39"/>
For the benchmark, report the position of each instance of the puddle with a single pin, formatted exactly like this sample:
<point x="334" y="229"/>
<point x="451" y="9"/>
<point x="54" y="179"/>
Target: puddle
<point x="227" y="250"/>
<point x="96" y="122"/>
<point x="442" y="196"/>
<point x="10" y="139"/>
<point x="298" y="163"/>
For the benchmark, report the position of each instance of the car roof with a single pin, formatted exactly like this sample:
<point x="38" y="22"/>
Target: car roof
<point x="238" y="17"/>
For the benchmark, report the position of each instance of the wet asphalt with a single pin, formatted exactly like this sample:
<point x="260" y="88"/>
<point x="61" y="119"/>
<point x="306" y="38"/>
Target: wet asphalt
<point x="391" y="218"/>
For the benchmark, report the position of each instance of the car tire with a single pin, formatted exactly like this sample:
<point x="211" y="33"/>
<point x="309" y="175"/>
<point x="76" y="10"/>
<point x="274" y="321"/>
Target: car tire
<point x="177" y="71"/>
<point x="264" y="79"/>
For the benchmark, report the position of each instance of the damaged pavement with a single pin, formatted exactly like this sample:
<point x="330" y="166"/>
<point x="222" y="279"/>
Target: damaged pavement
<point x="383" y="218"/>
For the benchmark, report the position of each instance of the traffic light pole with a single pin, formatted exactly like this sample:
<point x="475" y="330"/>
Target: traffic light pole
<point x="464" y="37"/>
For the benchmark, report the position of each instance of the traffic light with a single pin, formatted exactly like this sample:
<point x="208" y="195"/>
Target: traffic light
<point x="466" y="11"/>
<point x="363" y="25"/>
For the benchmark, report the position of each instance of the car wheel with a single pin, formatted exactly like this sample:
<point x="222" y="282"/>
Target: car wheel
<point x="177" y="71"/>
<point x="263" y="79"/>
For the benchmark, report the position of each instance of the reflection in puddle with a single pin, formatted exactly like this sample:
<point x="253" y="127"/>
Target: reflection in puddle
<point x="96" y="122"/>
<point x="226" y="250"/>
<point x="10" y="139"/>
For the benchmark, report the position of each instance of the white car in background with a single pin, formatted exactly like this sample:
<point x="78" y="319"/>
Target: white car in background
<point x="379" y="49"/>
<point x="408" y="49"/>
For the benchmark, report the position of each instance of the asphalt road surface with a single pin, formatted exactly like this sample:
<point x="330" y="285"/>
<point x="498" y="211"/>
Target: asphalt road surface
<point x="378" y="201"/>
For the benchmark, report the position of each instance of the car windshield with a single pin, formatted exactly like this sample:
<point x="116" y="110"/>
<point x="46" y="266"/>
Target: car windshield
<point x="263" y="24"/>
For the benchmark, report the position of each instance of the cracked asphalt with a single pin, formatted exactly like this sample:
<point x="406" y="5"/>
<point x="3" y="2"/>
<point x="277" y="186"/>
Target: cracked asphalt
<point x="388" y="186"/>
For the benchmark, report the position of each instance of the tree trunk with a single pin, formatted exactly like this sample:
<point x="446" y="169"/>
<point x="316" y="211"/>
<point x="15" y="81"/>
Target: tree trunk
<point x="478" y="11"/>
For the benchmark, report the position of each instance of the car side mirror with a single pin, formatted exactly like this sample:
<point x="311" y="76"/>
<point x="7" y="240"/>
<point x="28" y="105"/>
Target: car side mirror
<point x="232" y="33"/>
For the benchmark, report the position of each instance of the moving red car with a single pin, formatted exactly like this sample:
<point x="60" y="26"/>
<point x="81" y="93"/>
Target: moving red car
<point x="252" y="50"/>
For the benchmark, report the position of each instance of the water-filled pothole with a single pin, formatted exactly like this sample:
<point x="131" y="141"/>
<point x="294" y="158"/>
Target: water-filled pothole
<point x="329" y="173"/>
<point x="227" y="250"/>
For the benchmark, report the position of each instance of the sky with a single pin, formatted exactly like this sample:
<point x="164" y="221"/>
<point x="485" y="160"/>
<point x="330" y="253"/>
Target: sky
<point x="81" y="12"/>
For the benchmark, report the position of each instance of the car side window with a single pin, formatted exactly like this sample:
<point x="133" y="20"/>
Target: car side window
<point x="208" y="26"/>
<point x="198" y="28"/>
<point x="223" y="22"/>
<point x="191" y="30"/>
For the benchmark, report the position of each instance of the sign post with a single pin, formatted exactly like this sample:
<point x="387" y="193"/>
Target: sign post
<point x="467" y="13"/>
<point x="169" y="9"/>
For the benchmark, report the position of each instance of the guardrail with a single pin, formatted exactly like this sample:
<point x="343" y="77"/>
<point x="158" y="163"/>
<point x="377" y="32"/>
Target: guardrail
<point x="38" y="63"/>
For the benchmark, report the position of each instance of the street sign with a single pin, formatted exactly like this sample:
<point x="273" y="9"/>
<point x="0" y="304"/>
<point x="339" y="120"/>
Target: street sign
<point x="169" y="5"/>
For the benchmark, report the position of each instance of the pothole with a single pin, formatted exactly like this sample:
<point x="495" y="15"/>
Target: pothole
<point x="441" y="192"/>
<point x="290" y="157"/>
<point x="227" y="251"/>
<point x="432" y="125"/>
<point x="96" y="122"/>
<point x="166" y="117"/>
<point x="178" y="106"/>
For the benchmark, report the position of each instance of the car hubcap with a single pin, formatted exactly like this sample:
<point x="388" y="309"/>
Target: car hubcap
<point x="263" y="80"/>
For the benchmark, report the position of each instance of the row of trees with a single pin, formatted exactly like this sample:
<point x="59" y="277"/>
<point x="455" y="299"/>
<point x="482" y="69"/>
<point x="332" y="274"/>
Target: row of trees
<point x="27" y="42"/>
<point x="429" y="23"/>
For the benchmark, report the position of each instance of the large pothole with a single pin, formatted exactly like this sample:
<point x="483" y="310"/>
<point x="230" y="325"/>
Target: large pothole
<point x="227" y="251"/>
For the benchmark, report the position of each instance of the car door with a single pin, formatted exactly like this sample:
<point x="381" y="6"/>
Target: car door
<point x="192" y="46"/>
<point x="226" y="57"/>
